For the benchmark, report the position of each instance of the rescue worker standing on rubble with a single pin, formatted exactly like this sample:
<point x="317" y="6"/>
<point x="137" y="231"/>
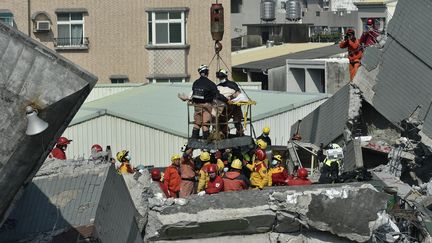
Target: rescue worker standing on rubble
<point x="265" y="136"/>
<point x="330" y="169"/>
<point x="354" y="51"/>
<point x="59" y="151"/>
<point x="258" y="168"/>
<point x="301" y="179"/>
<point x="370" y="36"/>
<point x="233" y="111"/>
<point x="278" y="175"/>
<point x="204" y="91"/>
<point x="124" y="158"/>
<point x="203" y="173"/>
<point x="156" y="178"/>
<point x="234" y="180"/>
<point x="215" y="183"/>
<point x="187" y="173"/>
<point x="172" y="177"/>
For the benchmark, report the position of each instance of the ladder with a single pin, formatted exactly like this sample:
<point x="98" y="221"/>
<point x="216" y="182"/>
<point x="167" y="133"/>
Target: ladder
<point x="292" y="152"/>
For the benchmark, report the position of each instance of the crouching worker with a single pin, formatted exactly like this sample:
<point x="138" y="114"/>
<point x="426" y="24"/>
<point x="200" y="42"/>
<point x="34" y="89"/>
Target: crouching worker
<point x="172" y="177"/>
<point x="156" y="180"/>
<point x="124" y="158"/>
<point x="301" y="179"/>
<point x="278" y="175"/>
<point x="234" y="180"/>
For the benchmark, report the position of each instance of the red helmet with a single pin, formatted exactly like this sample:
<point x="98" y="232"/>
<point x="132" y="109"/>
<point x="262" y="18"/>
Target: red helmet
<point x="369" y="22"/>
<point x="302" y="173"/>
<point x="97" y="148"/>
<point x="212" y="168"/>
<point x="155" y="174"/>
<point x="350" y="31"/>
<point x="63" y="141"/>
<point x="260" y="154"/>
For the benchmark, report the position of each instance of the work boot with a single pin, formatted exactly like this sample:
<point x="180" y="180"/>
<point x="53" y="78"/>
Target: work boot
<point x="206" y="134"/>
<point x="195" y="133"/>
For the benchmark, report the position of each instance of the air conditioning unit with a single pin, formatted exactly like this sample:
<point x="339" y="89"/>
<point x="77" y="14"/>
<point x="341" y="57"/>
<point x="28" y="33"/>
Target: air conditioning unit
<point x="42" y="26"/>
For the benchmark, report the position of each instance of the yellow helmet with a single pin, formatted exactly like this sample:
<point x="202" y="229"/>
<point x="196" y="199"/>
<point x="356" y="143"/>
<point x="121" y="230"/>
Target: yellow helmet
<point x="266" y="130"/>
<point x="174" y="157"/>
<point x="236" y="164"/>
<point x="120" y="155"/>
<point x="261" y="144"/>
<point x="278" y="158"/>
<point x="205" y="156"/>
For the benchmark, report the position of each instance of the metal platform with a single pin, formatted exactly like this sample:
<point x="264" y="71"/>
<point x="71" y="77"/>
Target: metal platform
<point x="221" y="144"/>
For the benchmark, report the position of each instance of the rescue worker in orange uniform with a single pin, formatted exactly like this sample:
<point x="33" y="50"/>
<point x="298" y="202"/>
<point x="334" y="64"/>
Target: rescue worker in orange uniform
<point x="59" y="151"/>
<point x="124" y="158"/>
<point x="301" y="179"/>
<point x="259" y="176"/>
<point x="234" y="180"/>
<point x="187" y="173"/>
<point x="172" y="177"/>
<point x="215" y="183"/>
<point x="355" y="52"/>
<point x="156" y="178"/>
<point x="278" y="175"/>
<point x="203" y="173"/>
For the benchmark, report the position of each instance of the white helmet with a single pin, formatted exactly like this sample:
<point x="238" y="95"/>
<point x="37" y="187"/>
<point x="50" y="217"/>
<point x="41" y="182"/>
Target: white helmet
<point x="203" y="68"/>
<point x="334" y="146"/>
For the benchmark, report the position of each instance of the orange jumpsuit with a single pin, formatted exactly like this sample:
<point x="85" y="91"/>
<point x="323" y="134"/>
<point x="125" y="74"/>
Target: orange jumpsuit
<point x="355" y="54"/>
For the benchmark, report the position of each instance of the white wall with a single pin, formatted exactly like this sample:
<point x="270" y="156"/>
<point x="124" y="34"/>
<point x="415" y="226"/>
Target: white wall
<point x="147" y="146"/>
<point x="103" y="90"/>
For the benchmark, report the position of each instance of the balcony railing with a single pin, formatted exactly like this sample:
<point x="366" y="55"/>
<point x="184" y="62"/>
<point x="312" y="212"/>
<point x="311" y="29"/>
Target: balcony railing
<point x="81" y="43"/>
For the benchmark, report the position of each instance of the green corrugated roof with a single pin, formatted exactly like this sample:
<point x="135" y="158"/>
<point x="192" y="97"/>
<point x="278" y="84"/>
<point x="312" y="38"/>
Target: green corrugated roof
<point x="157" y="106"/>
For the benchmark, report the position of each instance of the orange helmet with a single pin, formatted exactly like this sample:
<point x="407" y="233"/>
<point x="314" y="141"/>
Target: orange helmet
<point x="260" y="154"/>
<point x="350" y="31"/>
<point x="302" y="173"/>
<point x="155" y="174"/>
<point x="63" y="141"/>
<point x="97" y="148"/>
<point x="212" y="168"/>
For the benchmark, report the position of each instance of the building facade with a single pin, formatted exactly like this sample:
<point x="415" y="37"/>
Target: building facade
<point x="124" y="41"/>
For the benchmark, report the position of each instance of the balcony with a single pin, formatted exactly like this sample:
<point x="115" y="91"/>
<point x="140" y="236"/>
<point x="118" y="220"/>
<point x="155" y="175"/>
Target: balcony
<point x="81" y="43"/>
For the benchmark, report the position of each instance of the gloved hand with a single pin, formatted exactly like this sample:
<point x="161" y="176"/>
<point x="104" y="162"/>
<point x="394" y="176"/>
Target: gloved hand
<point x="201" y="193"/>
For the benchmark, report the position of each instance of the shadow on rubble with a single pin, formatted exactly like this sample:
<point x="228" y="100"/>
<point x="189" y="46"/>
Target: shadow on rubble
<point x="35" y="217"/>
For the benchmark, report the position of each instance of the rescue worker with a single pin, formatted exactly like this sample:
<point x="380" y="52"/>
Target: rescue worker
<point x="330" y="169"/>
<point x="203" y="173"/>
<point x="354" y="51"/>
<point x="204" y="91"/>
<point x="215" y="183"/>
<point x="278" y="175"/>
<point x="96" y="152"/>
<point x="233" y="111"/>
<point x="265" y="136"/>
<point x="172" y="177"/>
<point x="59" y="151"/>
<point x="124" y="158"/>
<point x="262" y="145"/>
<point x="259" y="175"/>
<point x="187" y="173"/>
<point x="156" y="178"/>
<point x="234" y="180"/>
<point x="301" y="179"/>
<point x="370" y="36"/>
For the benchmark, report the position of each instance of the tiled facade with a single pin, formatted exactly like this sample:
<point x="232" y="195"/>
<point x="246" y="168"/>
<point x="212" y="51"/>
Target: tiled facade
<point x="116" y="42"/>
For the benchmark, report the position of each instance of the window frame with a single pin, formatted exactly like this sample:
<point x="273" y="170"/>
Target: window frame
<point x="71" y="22"/>
<point x="9" y="19"/>
<point x="151" y="40"/>
<point x="154" y="80"/>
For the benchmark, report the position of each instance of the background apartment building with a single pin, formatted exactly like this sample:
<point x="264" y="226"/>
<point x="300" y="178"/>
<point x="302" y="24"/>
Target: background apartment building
<point x="124" y="41"/>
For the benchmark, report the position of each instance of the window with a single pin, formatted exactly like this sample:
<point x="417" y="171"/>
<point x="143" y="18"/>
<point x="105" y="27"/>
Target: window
<point x="318" y="13"/>
<point x="168" y="80"/>
<point x="283" y="5"/>
<point x="7" y="18"/>
<point x="166" y="28"/>
<point x="70" y="28"/>
<point x="119" y="80"/>
<point x="236" y="6"/>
